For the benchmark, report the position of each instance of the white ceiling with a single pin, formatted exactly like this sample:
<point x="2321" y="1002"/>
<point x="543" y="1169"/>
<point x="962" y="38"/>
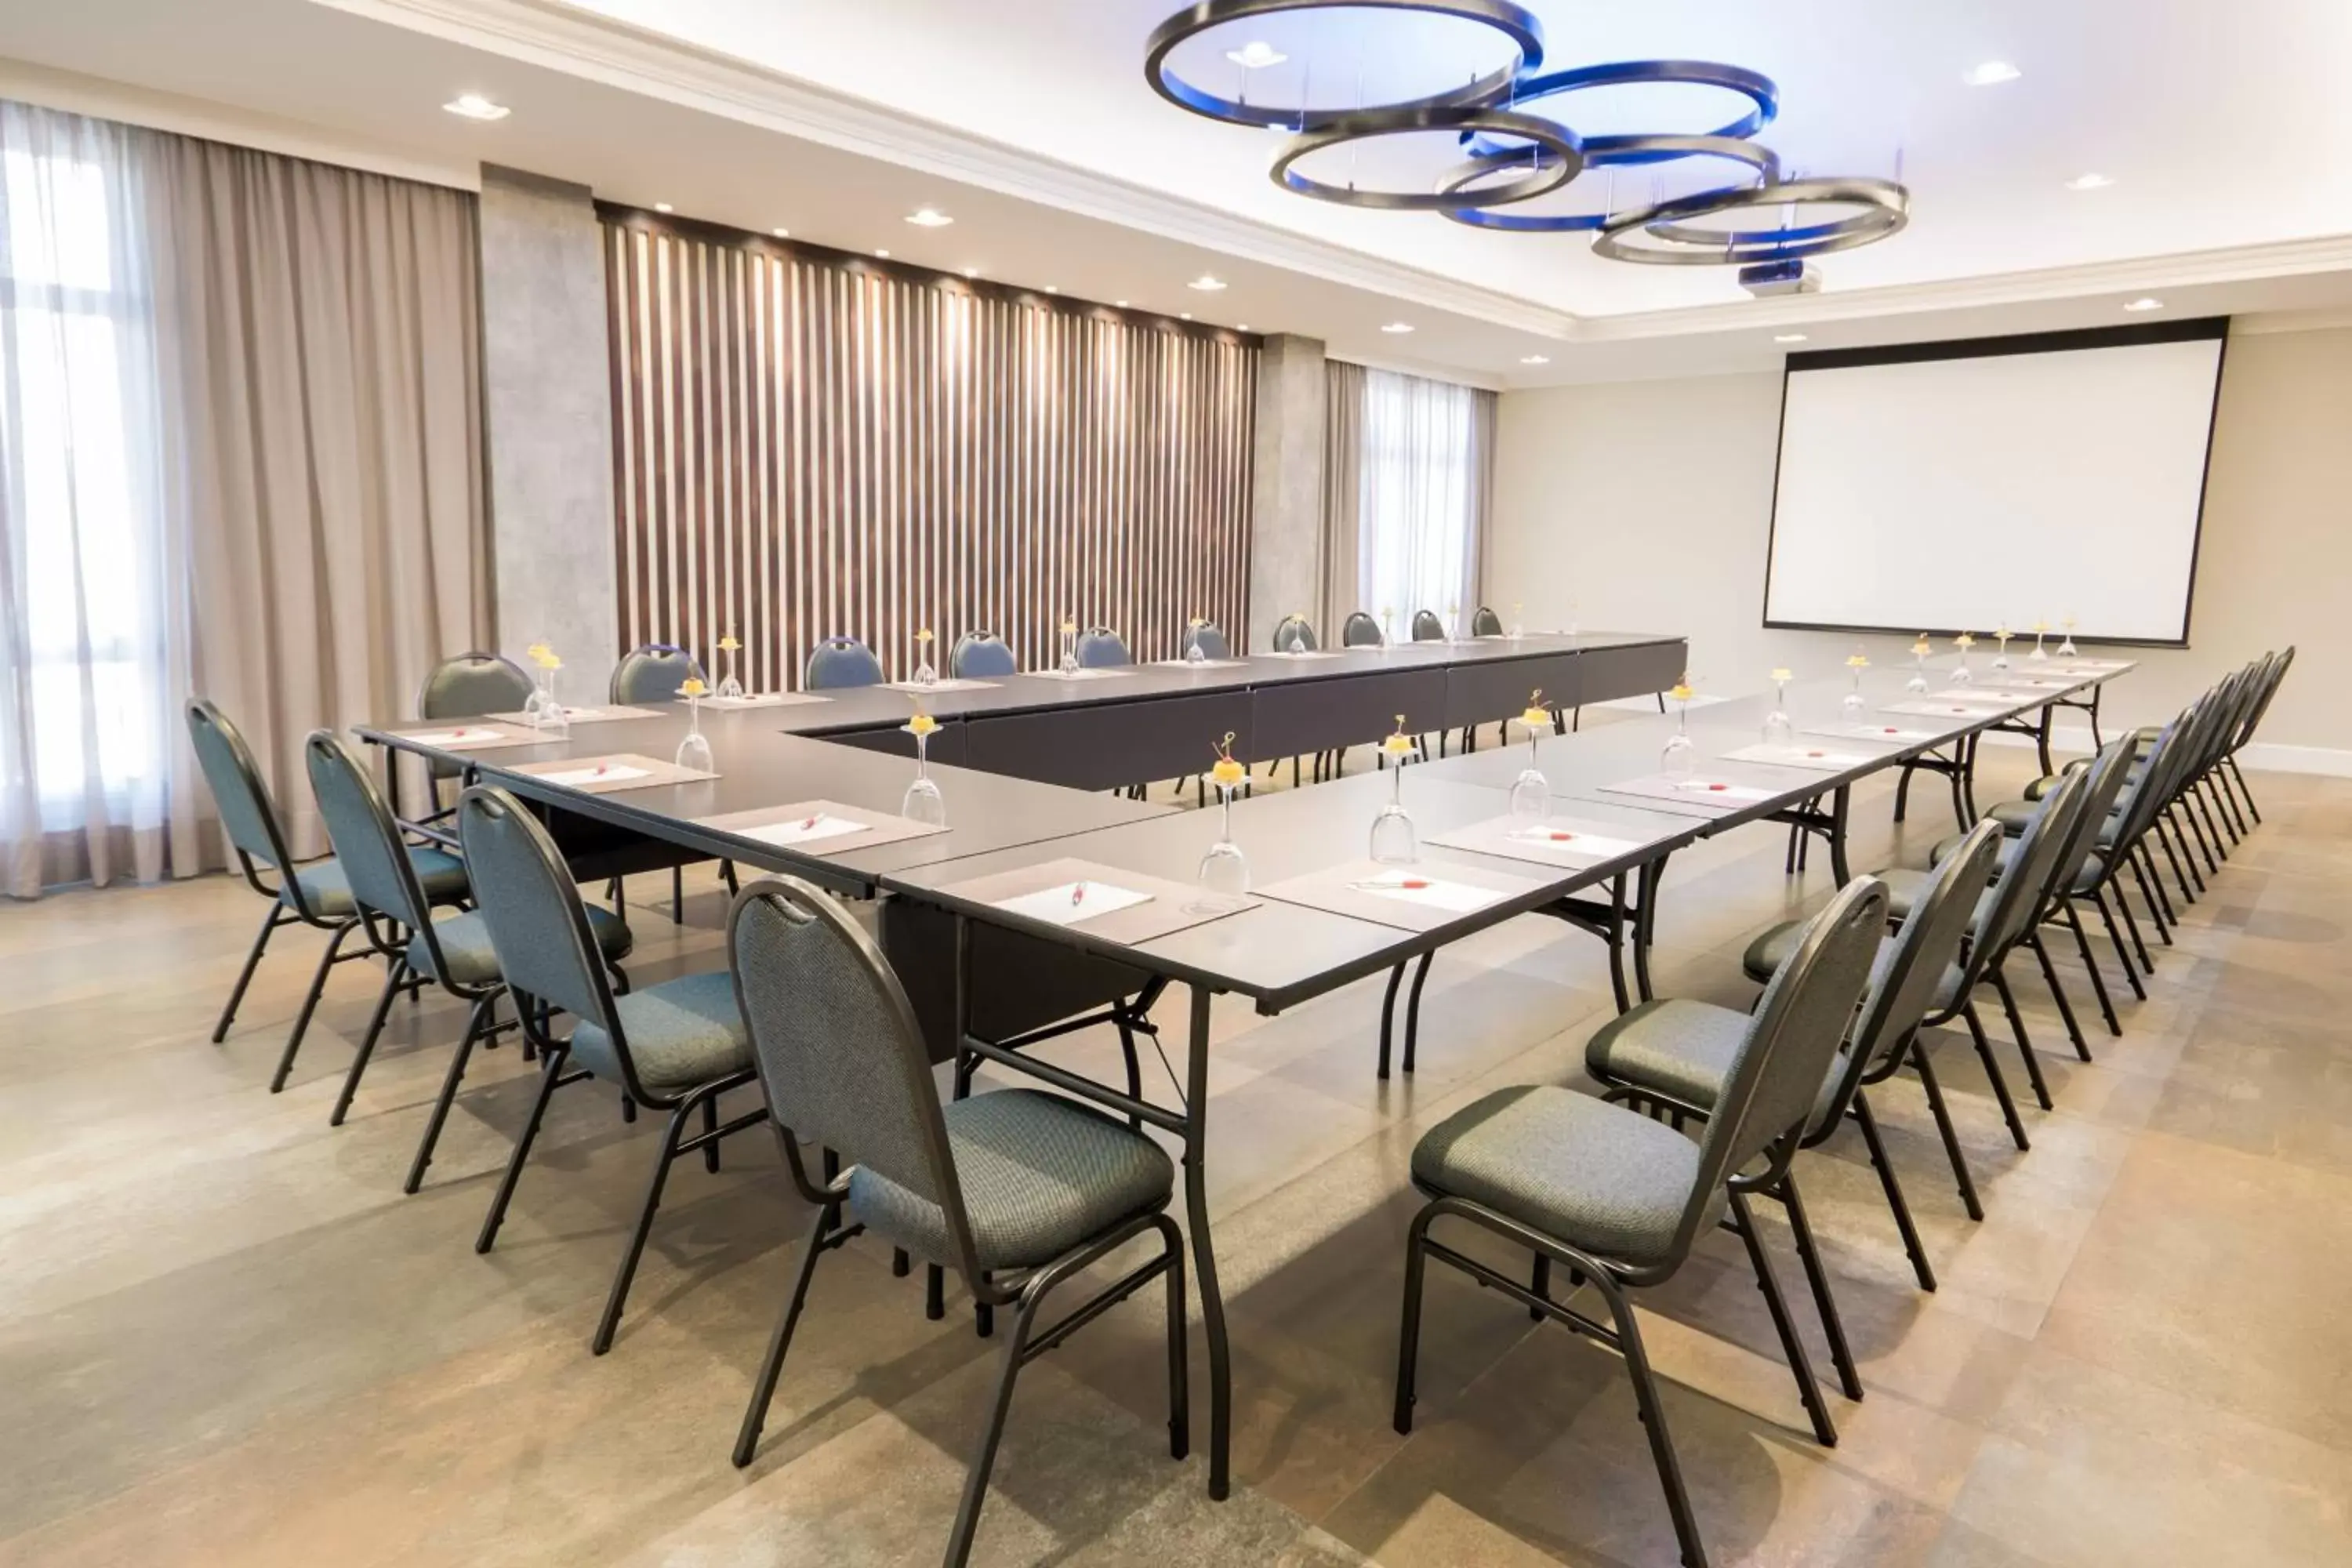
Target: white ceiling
<point x="1030" y="122"/>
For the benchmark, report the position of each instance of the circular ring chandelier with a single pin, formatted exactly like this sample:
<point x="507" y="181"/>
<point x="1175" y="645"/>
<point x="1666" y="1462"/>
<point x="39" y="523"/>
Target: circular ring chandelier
<point x="1598" y="151"/>
<point x="1885" y="209"/>
<point x="1515" y="155"/>
<point x="1515" y="23"/>
<point x="1552" y="157"/>
<point x="1763" y="97"/>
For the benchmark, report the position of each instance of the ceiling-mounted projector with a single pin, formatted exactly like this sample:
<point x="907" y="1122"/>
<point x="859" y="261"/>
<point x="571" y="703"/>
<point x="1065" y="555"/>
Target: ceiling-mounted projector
<point x="1767" y="280"/>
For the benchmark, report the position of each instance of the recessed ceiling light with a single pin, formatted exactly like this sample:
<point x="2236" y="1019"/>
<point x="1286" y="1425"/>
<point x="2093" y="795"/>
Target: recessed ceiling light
<point x="1206" y="284"/>
<point x="929" y="217"/>
<point x="2145" y="302"/>
<point x="1052" y="288"/>
<point x="663" y="207"/>
<point x="1121" y="303"/>
<point x="1256" y="54"/>
<point x="972" y="271"/>
<point x="2089" y="183"/>
<point x="473" y="106"/>
<point x="1534" y="359"/>
<point x="1183" y="315"/>
<point x="782" y="233"/>
<point x="1788" y="337"/>
<point x="1992" y="73"/>
<point x="883" y="254"/>
<point x="1398" y="327"/>
<point x="1241" y="326"/>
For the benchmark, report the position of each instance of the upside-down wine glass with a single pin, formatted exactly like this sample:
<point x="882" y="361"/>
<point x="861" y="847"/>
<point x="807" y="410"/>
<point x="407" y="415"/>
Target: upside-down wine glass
<point x="693" y="751"/>
<point x="1518" y="621"/>
<point x="1777" y="730"/>
<point x="925" y="675"/>
<point x="1069" y="665"/>
<point x="1394" y="841"/>
<point x="1194" y="652"/>
<point x="1964" y="676"/>
<point x="1920" y="652"/>
<point x="1388" y="628"/>
<point x="1853" y="702"/>
<point x="1531" y="792"/>
<point x="1680" y="759"/>
<point x="2041" y="630"/>
<point x="923" y="802"/>
<point x="1224" y="870"/>
<point x="2067" y="648"/>
<point x="729" y="689"/>
<point x="2001" y="635"/>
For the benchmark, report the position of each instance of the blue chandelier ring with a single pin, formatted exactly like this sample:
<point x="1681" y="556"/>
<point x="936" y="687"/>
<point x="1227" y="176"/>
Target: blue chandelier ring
<point x="1601" y="150"/>
<point x="1516" y="23"/>
<point x="1762" y="93"/>
<point x="1557" y="157"/>
<point x="1889" y="208"/>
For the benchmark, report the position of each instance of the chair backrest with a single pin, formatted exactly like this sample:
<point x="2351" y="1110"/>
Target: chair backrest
<point x="1099" y="648"/>
<point x="2107" y="773"/>
<point x="1293" y="629"/>
<point x="1910" y="965"/>
<point x="840" y="662"/>
<point x="246" y="813"/>
<point x="2273" y="669"/>
<point x="1207" y="638"/>
<point x="2147" y="796"/>
<point x="532" y="907"/>
<point x="1427" y="628"/>
<point x="2009" y="908"/>
<point x="1361" y="630"/>
<point x="367" y="839"/>
<point x="840" y="1055"/>
<point x="471" y="684"/>
<point x="981" y="654"/>
<point x="1485" y="623"/>
<point x="653" y="673"/>
<point x="1794" y="1033"/>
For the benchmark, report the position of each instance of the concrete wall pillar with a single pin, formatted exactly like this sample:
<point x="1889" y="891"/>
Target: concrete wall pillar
<point x="1287" y="488"/>
<point x="547" y="409"/>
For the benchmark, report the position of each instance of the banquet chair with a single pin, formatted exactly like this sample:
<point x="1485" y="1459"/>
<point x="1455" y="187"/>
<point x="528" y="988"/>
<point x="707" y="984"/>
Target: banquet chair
<point x="1619" y="1199"/>
<point x="1427" y="628"/>
<point x="317" y="894"/>
<point x="653" y="673"/>
<point x="467" y="686"/>
<point x="676" y="1046"/>
<point x="840" y="663"/>
<point x="1294" y="634"/>
<point x="1207" y="638"/>
<point x="1360" y="630"/>
<point x="1099" y="648"/>
<point x="1485" y="623"/>
<point x="982" y="656"/>
<point x="1017" y="1190"/>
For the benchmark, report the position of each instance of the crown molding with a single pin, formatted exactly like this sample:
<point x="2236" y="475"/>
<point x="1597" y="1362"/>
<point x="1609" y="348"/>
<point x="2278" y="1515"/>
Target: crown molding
<point x="579" y="43"/>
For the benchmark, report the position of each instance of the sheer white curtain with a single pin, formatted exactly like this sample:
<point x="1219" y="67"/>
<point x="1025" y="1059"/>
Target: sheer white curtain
<point x="1424" y="459"/>
<point x="89" y="679"/>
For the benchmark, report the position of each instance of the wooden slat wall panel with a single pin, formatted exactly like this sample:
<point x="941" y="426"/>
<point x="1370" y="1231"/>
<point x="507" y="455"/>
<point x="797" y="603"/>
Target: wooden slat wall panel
<point x="805" y="449"/>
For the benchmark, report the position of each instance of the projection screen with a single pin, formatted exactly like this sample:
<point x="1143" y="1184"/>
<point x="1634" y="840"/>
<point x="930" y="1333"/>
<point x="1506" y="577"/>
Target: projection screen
<point x="1945" y="486"/>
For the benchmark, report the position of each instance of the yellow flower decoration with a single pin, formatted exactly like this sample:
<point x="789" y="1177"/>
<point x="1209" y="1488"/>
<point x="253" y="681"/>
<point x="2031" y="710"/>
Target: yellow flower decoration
<point x="727" y="644"/>
<point x="1399" y="744"/>
<point x="921" y="725"/>
<point x="692" y="687"/>
<point x="1196" y="623"/>
<point x="2040" y="627"/>
<point x="923" y="635"/>
<point x="538" y="650"/>
<point x="1782" y="674"/>
<point x="1681" y="691"/>
<point x="2002" y="633"/>
<point x="1964" y="642"/>
<point x="1857" y="661"/>
<point x="1923" y="648"/>
<point x="1226" y="770"/>
<point x="1536" y="714"/>
<point x="548" y="661"/>
<point x="1069" y="628"/>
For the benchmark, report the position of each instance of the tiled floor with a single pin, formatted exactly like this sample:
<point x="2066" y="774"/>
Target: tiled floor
<point x="226" y="1337"/>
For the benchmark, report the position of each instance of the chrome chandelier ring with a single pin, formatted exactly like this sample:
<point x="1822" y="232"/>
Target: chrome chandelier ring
<point x="1763" y="96"/>
<point x="1887" y="208"/>
<point x="1550" y="156"/>
<point x="1515" y="23"/>
<point x="1600" y="150"/>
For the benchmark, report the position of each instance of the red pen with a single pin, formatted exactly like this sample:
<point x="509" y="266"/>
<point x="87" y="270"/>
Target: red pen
<point x="1079" y="893"/>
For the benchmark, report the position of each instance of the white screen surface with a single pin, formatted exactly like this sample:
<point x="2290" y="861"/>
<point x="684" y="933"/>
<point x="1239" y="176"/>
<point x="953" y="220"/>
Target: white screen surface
<point x="1964" y="493"/>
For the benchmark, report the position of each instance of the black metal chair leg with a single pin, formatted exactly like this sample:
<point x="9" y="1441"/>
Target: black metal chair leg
<point x="671" y="1136"/>
<point x="2024" y="1041"/>
<point x="711" y="1126"/>
<point x="1993" y="1076"/>
<point x="1540" y="1283"/>
<point x="2058" y="994"/>
<point x="1134" y="1065"/>
<point x="1180" y="1379"/>
<point x="771" y="1365"/>
<point x="309" y="1005"/>
<point x="1413" y="1009"/>
<point x="1800" y="1363"/>
<point x="935" y="1305"/>
<point x="2238" y="774"/>
<point x="476" y="1022"/>
<point x="1817" y="1276"/>
<point x="2091" y="963"/>
<point x="1943" y="1114"/>
<point x="1653" y="1421"/>
<point x="1388" y="1019"/>
<point x="975" y="1485"/>
<point x="1892" y="1185"/>
<point x="392" y="974"/>
<point x="2115" y="935"/>
<point x="269" y="922"/>
<point x="2151" y="893"/>
<point x="1408" y="1321"/>
<point x="551" y="1072"/>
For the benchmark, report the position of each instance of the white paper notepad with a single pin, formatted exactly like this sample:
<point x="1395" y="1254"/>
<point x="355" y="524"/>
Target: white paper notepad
<point x="609" y="773"/>
<point x="1892" y="734"/>
<point x="802" y="830"/>
<point x="1068" y="903"/>
<point x="459" y="739"/>
<point x="1818" y="758"/>
<point x="1430" y="892"/>
<point x="1568" y="841"/>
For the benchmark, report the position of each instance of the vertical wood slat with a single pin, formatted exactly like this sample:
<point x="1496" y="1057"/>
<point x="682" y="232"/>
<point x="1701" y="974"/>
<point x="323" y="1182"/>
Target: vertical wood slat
<point x="806" y="449"/>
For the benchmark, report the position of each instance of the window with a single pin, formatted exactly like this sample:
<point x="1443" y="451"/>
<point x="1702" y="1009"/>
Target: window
<point x="1419" y="495"/>
<point x="78" y="512"/>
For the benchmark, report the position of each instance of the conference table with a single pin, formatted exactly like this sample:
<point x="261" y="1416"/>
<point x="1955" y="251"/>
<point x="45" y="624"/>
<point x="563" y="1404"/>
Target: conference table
<point x="992" y="972"/>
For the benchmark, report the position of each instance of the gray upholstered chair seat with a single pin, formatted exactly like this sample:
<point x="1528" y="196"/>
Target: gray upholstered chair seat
<point x="1684" y="1049"/>
<point x="1040" y="1175"/>
<point x="1597" y="1176"/>
<point x="441" y="874"/>
<point x="2012" y="815"/>
<point x="470" y="959"/>
<point x="682" y="1033"/>
<point x="1904" y="887"/>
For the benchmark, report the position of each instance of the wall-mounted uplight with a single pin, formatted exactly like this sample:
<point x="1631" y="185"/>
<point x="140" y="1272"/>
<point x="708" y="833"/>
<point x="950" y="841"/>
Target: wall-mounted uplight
<point x="473" y="106"/>
<point x="929" y="217"/>
<point x="2145" y="302"/>
<point x="1788" y="337"/>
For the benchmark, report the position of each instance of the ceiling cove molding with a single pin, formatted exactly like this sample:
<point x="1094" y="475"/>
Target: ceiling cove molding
<point x="2253" y="263"/>
<point x="579" y="43"/>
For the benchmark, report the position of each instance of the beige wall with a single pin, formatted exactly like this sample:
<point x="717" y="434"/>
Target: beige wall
<point x="1647" y="506"/>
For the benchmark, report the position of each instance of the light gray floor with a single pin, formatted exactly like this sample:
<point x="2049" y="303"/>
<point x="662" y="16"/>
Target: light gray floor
<point x="226" y="1337"/>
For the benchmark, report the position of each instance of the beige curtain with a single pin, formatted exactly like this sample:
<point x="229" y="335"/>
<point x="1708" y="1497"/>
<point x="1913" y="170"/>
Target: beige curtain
<point x="1343" y="462"/>
<point x="317" y="334"/>
<point x="1408" y="487"/>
